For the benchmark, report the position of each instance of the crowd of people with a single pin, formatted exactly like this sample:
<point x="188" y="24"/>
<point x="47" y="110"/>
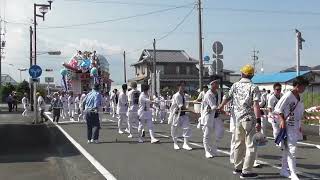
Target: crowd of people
<point x="12" y="101"/>
<point x="249" y="108"/>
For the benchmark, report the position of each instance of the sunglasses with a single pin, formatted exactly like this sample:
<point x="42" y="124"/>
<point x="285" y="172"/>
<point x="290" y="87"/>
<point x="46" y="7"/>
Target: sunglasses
<point x="277" y="89"/>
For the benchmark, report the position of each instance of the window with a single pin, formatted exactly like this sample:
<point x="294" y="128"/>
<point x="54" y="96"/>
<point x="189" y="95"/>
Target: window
<point x="177" y="69"/>
<point x="137" y="70"/>
<point x="170" y="69"/>
<point x="143" y="70"/>
<point x="183" y="69"/>
<point x="188" y="69"/>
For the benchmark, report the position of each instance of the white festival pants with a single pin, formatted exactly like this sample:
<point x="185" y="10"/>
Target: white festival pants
<point x="64" y="111"/>
<point x="289" y="151"/>
<point x="215" y="124"/>
<point x="122" y="118"/>
<point x="184" y="124"/>
<point x="133" y="120"/>
<point x="148" y="122"/>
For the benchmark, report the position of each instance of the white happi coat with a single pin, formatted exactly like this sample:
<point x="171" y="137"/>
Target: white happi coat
<point x="71" y="103"/>
<point x="293" y="113"/>
<point x="122" y="106"/>
<point x="144" y="111"/>
<point x="25" y="102"/>
<point x="175" y="109"/>
<point x="64" y="101"/>
<point x="209" y="106"/>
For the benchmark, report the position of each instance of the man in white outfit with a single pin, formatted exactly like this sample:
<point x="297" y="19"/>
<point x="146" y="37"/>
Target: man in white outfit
<point x="81" y="106"/>
<point x="145" y="114"/>
<point x="71" y="106"/>
<point x="290" y="110"/>
<point x="209" y="120"/>
<point x="156" y="107"/>
<point x="179" y="118"/>
<point x="114" y="102"/>
<point x="199" y="100"/>
<point x="272" y="102"/>
<point x="25" y="102"/>
<point x="162" y="109"/>
<point x="263" y="104"/>
<point x="122" y="108"/>
<point x="76" y="104"/>
<point x="133" y="99"/>
<point x="64" y="110"/>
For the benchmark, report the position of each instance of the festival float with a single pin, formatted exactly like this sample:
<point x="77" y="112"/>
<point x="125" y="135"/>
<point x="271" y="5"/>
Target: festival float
<point x="83" y="70"/>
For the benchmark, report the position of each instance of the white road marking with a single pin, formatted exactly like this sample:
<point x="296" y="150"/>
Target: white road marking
<point x="228" y="153"/>
<point x="105" y="173"/>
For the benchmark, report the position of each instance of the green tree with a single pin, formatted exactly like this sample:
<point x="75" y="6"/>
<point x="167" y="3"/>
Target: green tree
<point x="6" y="90"/>
<point x="22" y="88"/>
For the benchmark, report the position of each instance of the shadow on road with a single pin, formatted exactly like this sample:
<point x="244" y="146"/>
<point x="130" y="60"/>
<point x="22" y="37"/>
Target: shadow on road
<point x="32" y="143"/>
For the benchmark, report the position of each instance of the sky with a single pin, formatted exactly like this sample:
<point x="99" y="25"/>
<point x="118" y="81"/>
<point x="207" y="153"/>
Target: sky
<point x="241" y="26"/>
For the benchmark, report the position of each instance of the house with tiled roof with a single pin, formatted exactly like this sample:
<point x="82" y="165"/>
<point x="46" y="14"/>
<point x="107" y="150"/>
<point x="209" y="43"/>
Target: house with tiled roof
<point x="173" y="66"/>
<point x="6" y="78"/>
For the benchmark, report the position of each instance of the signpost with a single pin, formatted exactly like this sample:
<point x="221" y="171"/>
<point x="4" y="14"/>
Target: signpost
<point x="217" y="64"/>
<point x="49" y="80"/>
<point x="35" y="72"/>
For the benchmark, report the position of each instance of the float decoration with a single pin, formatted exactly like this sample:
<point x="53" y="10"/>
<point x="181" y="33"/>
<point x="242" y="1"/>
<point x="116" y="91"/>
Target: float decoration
<point x="84" y="66"/>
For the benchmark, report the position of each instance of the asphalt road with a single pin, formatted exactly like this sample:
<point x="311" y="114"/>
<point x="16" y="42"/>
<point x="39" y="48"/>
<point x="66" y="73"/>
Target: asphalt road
<point x="126" y="159"/>
<point x="39" y="152"/>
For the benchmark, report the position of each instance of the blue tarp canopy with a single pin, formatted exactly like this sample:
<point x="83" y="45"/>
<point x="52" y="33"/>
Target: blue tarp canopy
<point x="276" y="77"/>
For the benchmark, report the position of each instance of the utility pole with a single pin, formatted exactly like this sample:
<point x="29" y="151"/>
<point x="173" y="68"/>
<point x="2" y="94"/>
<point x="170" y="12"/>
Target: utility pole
<point x="0" y="51"/>
<point x="200" y="46"/>
<point x="31" y="86"/>
<point x="255" y="59"/>
<point x="299" y="41"/>
<point x="154" y="67"/>
<point x="124" y="67"/>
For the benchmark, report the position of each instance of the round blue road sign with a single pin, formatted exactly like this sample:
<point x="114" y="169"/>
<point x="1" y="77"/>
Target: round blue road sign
<point x="206" y="58"/>
<point x="35" y="71"/>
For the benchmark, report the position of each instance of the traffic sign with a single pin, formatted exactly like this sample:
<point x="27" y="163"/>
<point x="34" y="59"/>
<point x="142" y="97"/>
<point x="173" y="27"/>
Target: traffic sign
<point x="217" y="47"/>
<point x="34" y="80"/>
<point x="220" y="56"/>
<point x="206" y="58"/>
<point x="217" y="63"/>
<point x="49" y="79"/>
<point x="35" y="71"/>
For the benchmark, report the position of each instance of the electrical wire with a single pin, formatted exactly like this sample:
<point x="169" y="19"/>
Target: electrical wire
<point x="263" y="11"/>
<point x="168" y="33"/>
<point x="124" y="3"/>
<point x="116" y="19"/>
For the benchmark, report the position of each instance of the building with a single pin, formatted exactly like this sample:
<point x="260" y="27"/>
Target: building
<point x="172" y="65"/>
<point x="6" y="78"/>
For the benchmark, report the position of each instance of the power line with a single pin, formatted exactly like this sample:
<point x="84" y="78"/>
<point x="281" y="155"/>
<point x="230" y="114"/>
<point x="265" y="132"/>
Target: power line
<point x="265" y="11"/>
<point x="124" y="3"/>
<point x="117" y="19"/>
<point x="168" y="33"/>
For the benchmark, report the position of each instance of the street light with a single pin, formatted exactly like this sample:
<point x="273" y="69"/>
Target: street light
<point x="43" y="8"/>
<point x="56" y="53"/>
<point x="21" y="69"/>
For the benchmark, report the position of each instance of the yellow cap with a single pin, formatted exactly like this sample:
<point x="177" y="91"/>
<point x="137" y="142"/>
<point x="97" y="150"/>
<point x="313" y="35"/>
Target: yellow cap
<point x="247" y="69"/>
